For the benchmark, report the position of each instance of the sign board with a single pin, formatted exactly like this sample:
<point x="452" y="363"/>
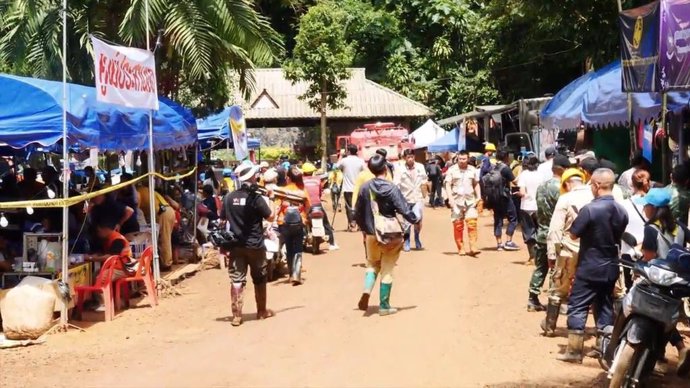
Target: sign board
<point x="674" y="47"/>
<point x="125" y="76"/>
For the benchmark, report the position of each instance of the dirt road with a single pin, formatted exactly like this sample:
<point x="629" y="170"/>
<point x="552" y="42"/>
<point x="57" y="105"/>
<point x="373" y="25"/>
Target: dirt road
<point x="463" y="324"/>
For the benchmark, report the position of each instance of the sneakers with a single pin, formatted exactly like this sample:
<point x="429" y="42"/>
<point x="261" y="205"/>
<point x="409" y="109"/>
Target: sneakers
<point x="511" y="246"/>
<point x="333" y="247"/>
<point x="499" y="247"/>
<point x="406" y="246"/>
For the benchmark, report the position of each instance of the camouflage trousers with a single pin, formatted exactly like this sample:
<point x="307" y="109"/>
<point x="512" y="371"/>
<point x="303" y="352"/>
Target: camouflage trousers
<point x="541" y="269"/>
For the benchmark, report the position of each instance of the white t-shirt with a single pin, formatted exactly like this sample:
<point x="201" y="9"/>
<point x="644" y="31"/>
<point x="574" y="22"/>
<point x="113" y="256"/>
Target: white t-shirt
<point x="351" y="166"/>
<point x="530" y="181"/>
<point x="636" y="222"/>
<point x="546" y="170"/>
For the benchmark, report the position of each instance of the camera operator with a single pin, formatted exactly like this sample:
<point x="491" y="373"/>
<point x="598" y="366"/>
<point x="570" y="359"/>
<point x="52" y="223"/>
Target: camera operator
<point x="245" y="210"/>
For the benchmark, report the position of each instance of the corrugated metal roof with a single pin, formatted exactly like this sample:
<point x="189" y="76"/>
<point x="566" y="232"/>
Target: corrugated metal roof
<point x="480" y="111"/>
<point x="365" y="99"/>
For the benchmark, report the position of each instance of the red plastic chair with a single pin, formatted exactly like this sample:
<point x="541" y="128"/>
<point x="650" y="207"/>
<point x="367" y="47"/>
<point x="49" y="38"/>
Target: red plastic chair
<point x="105" y="287"/>
<point x="143" y="274"/>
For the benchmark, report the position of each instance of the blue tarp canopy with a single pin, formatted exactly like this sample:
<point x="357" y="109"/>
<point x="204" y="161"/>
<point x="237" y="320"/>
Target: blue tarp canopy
<point x="216" y="127"/>
<point x="448" y="143"/>
<point x="597" y="99"/>
<point x="31" y="112"/>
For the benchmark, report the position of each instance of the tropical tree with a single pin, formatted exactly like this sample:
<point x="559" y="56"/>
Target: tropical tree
<point x="201" y="41"/>
<point x="321" y="58"/>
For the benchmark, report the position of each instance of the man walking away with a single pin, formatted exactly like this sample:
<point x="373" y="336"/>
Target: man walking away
<point x="380" y="197"/>
<point x="545" y="169"/>
<point x="496" y="195"/>
<point x="246" y="210"/>
<point x="528" y="182"/>
<point x="547" y="197"/>
<point x="351" y="166"/>
<point x="410" y="178"/>
<point x="433" y="171"/>
<point x="599" y="226"/>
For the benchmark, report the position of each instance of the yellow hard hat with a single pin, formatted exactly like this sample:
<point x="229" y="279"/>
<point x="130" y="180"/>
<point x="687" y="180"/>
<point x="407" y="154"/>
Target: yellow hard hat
<point x="490" y="147"/>
<point x="308" y="168"/>
<point x="570" y="173"/>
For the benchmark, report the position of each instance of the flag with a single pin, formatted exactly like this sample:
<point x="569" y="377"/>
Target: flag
<point x="239" y="132"/>
<point x="647" y="141"/>
<point x="125" y="75"/>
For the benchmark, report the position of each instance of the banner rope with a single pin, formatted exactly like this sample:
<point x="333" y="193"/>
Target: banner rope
<point x="62" y="202"/>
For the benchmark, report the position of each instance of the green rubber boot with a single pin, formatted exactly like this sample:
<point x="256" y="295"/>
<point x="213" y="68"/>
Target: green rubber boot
<point x="385" y="295"/>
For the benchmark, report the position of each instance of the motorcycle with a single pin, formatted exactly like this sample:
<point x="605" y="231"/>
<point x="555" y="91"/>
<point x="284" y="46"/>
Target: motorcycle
<point x="644" y="320"/>
<point x="273" y="258"/>
<point x="316" y="231"/>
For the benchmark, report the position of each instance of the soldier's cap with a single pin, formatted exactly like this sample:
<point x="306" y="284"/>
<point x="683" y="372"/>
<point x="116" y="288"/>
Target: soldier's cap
<point x="561" y="161"/>
<point x="657" y="197"/>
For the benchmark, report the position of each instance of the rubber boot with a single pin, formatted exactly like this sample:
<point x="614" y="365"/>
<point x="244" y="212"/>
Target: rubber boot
<point x="533" y="303"/>
<point x="369" y="281"/>
<point x="417" y="241"/>
<point x="472" y="234"/>
<point x="553" y="308"/>
<point x="458" y="230"/>
<point x="237" y="296"/>
<point x="576" y="344"/>
<point x="385" y="295"/>
<point x="260" y="295"/>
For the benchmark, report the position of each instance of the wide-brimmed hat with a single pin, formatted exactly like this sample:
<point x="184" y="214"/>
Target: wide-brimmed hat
<point x="245" y="172"/>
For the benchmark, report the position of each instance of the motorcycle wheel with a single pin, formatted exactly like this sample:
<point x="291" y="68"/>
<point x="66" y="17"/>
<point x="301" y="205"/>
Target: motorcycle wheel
<point x="625" y="368"/>
<point x="271" y="269"/>
<point x="686" y="311"/>
<point x="315" y="246"/>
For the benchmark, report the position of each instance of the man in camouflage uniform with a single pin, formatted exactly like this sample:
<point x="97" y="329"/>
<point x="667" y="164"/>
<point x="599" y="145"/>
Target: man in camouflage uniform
<point x="547" y="196"/>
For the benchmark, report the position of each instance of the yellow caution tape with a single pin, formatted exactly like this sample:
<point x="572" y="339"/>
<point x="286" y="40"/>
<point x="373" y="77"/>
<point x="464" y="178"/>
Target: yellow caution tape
<point x="66" y="202"/>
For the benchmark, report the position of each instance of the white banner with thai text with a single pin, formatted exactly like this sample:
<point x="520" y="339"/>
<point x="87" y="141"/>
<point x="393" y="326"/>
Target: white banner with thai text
<point x="125" y="75"/>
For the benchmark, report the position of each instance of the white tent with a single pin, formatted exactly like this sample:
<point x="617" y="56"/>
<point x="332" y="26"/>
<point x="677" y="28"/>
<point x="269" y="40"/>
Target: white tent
<point x="427" y="134"/>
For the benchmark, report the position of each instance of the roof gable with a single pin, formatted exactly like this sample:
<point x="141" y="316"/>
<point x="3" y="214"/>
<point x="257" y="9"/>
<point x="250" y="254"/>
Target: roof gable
<point x="279" y="99"/>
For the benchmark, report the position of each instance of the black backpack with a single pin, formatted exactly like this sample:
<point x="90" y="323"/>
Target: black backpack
<point x="493" y="187"/>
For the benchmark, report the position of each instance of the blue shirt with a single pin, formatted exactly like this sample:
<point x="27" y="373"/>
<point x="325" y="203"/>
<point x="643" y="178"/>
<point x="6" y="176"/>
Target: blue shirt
<point x="599" y="226"/>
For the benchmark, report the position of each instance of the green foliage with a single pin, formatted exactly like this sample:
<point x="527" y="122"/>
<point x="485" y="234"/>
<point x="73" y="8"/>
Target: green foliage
<point x="202" y="40"/>
<point x="274" y="153"/>
<point x="321" y="56"/>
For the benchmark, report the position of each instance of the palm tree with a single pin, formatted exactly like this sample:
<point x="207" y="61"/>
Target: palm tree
<point x="202" y="41"/>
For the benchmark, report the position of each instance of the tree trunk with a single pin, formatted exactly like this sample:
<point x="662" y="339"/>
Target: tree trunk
<point x="324" y="129"/>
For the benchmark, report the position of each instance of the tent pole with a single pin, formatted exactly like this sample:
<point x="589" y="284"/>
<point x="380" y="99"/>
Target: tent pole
<point x="152" y="166"/>
<point x="64" y="312"/>
<point x="664" y="153"/>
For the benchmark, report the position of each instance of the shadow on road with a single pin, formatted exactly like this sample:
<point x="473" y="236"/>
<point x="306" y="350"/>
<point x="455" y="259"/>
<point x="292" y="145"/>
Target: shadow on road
<point x="374" y="310"/>
<point x="600" y="381"/>
<point x="252" y="316"/>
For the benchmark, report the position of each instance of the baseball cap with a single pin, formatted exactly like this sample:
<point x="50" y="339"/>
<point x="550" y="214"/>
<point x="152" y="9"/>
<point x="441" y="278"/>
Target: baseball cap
<point x="550" y="151"/>
<point x="656" y="197"/>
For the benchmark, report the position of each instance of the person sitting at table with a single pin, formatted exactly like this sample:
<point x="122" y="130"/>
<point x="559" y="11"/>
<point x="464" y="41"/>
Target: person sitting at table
<point x="9" y="190"/>
<point x="30" y="187"/>
<point x="92" y="181"/>
<point x="210" y="202"/>
<point x="106" y="209"/>
<point x="114" y="244"/>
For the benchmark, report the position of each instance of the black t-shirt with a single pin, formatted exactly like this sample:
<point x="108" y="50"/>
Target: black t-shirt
<point x="110" y="212"/>
<point x="245" y="211"/>
<point x="210" y="203"/>
<point x="507" y="175"/>
<point x="600" y="226"/>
